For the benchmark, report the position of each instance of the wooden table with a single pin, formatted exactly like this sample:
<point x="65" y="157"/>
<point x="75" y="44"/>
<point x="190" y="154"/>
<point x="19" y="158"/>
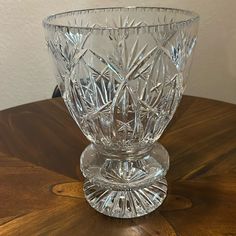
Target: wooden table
<point x="41" y="184"/>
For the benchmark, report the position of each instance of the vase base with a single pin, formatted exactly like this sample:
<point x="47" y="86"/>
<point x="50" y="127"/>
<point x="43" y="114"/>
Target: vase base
<point x="128" y="203"/>
<point x="125" y="188"/>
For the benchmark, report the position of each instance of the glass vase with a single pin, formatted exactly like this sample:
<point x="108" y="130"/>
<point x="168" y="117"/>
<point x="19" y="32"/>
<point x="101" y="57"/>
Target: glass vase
<point x="122" y="73"/>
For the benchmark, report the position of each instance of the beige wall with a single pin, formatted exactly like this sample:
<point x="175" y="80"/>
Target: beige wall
<point x="26" y="74"/>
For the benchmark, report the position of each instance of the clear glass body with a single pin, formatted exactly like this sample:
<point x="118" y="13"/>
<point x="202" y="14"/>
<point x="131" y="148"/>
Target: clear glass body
<point x="122" y="73"/>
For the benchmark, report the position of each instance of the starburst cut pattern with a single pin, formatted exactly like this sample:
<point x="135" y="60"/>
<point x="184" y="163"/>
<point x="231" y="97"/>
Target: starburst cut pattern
<point x="126" y="96"/>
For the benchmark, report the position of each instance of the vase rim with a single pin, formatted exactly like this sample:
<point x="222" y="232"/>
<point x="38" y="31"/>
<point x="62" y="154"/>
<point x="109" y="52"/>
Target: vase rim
<point x="49" y="21"/>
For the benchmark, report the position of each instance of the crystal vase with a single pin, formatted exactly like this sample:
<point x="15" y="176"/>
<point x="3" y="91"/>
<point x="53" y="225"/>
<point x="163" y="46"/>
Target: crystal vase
<point x="122" y="73"/>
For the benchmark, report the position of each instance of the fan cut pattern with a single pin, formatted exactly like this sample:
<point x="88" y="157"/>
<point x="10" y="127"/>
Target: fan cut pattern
<point x="124" y="97"/>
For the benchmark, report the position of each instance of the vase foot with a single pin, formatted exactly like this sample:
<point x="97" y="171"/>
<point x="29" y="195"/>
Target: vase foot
<point x="125" y="187"/>
<point x="128" y="203"/>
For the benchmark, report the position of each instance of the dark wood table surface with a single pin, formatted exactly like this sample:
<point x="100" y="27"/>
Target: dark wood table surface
<point x="41" y="184"/>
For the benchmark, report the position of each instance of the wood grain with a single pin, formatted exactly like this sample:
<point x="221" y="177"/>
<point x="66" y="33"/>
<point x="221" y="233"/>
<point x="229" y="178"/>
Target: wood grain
<point x="41" y="184"/>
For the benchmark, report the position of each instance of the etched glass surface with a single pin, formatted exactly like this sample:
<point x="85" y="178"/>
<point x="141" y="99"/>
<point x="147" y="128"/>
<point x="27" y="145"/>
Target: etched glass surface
<point x="122" y="73"/>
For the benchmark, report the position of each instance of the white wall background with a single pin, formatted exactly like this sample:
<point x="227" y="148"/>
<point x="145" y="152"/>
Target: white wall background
<point x="26" y="74"/>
